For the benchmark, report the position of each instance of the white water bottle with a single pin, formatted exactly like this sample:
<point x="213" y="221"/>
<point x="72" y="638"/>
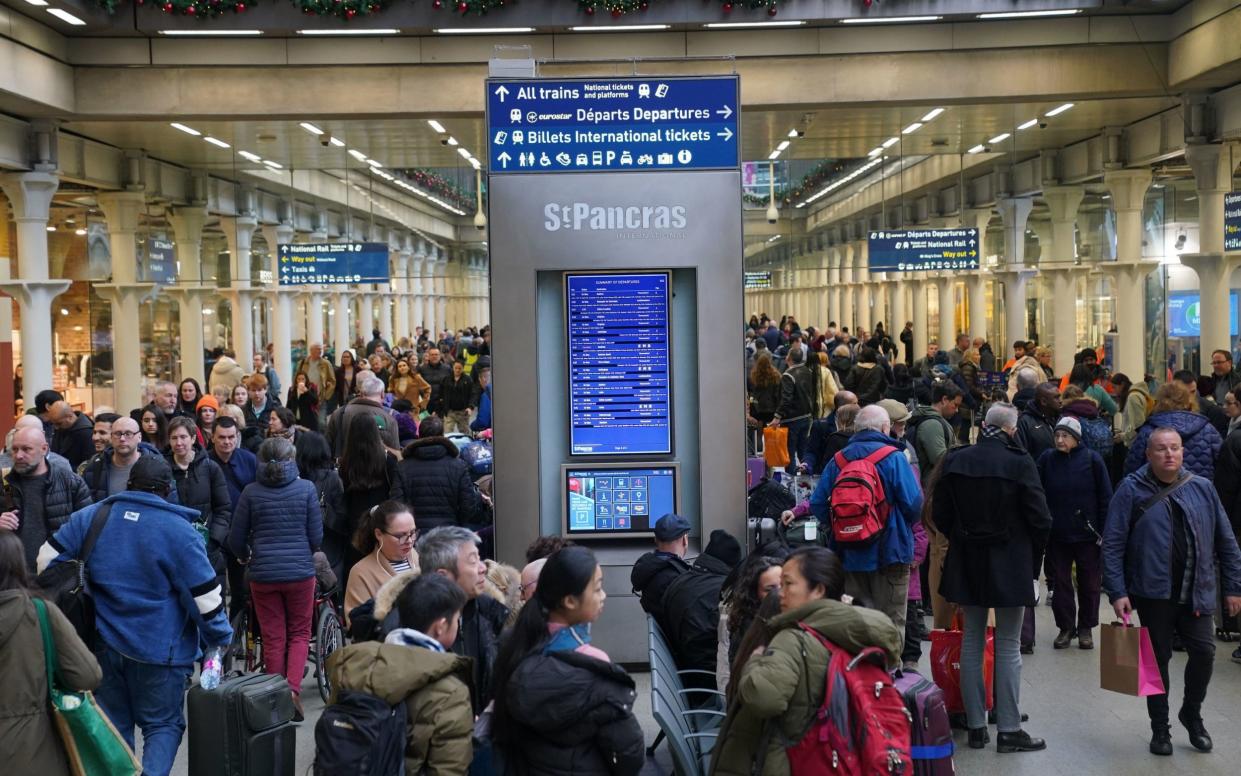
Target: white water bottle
<point x="212" y="668"/>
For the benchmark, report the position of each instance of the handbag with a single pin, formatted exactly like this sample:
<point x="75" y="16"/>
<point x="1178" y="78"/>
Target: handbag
<point x="1127" y="661"/>
<point x="93" y="746"/>
<point x="946" y="666"/>
<point x="66" y="583"/>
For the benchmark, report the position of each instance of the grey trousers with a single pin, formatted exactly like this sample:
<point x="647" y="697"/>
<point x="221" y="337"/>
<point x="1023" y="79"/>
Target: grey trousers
<point x="1007" y="667"/>
<point x="886" y="590"/>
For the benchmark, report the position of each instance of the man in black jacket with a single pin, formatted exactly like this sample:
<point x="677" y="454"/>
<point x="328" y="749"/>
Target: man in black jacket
<point x="799" y="403"/>
<point x="1036" y="428"/>
<point x="654" y="571"/>
<point x="39" y="496"/>
<point x="453" y="552"/>
<point x="436" y="483"/>
<point x="72" y="437"/>
<point x="435" y="372"/>
<point x="692" y="606"/>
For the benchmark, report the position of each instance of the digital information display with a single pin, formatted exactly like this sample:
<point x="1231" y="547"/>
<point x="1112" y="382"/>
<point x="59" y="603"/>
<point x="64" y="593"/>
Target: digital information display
<point x="619" y="363"/>
<point x="627" y="500"/>
<point x="1184" y="318"/>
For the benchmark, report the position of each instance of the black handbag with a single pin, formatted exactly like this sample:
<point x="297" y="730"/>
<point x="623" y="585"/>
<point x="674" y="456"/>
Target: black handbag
<point x="66" y="583"/>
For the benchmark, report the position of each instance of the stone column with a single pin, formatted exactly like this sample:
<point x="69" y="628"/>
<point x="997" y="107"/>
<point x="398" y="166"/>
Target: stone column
<point x="417" y="288"/>
<point x="1015" y="285"/>
<point x="1062" y="202"/>
<point x="947" y="312"/>
<point x="30" y="194"/>
<point x="121" y="209"/>
<point x="867" y="290"/>
<point x="239" y="232"/>
<point x="976" y="287"/>
<point x="341" y="338"/>
<point x="847" y="312"/>
<point x="282" y="308"/>
<point x="441" y="289"/>
<point x="1212" y="165"/>
<point x="833" y="285"/>
<point x="918" y="287"/>
<point x="400" y="297"/>
<point x="187" y="229"/>
<point x="900" y="310"/>
<point x="366" y="312"/>
<point x="1014" y="212"/>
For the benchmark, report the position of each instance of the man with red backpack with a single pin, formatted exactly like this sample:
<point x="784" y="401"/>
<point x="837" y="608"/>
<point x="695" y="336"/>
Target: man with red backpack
<point x="868" y="501"/>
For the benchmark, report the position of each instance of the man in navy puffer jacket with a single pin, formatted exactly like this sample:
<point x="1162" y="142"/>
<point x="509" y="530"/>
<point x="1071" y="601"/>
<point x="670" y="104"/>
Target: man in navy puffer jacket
<point x="277" y="528"/>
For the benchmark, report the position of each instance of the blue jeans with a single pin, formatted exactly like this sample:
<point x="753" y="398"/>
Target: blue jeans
<point x="149" y="696"/>
<point x="1007" y="667"/>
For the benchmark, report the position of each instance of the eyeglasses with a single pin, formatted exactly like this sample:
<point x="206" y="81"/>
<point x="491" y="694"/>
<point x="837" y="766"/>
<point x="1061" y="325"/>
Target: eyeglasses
<point x="401" y="538"/>
<point x="124" y="434"/>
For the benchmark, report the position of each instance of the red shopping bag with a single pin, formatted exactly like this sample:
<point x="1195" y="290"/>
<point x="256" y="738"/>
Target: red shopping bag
<point x="946" y="667"/>
<point x="1127" y="661"/>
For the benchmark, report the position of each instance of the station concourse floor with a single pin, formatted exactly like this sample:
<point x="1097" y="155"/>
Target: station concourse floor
<point x="1089" y="732"/>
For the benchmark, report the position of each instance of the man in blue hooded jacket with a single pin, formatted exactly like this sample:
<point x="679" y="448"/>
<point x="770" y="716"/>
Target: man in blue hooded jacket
<point x="1166" y="530"/>
<point x="877" y="573"/>
<point x="156" y="600"/>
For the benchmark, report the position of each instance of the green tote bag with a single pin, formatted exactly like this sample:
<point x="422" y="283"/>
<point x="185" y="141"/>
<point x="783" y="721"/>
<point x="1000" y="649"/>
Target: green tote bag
<point x="93" y="745"/>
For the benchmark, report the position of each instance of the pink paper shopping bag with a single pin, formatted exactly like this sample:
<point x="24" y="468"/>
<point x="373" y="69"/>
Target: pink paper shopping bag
<point x="1127" y="661"/>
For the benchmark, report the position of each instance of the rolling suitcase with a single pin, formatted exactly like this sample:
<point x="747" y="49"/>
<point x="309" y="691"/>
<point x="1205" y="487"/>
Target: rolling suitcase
<point x="930" y="731"/>
<point x="242" y="728"/>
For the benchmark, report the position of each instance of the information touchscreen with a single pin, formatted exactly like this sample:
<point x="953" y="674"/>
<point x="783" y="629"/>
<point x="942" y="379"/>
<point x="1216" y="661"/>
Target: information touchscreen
<point x="618" y="363"/>
<point x="618" y="500"/>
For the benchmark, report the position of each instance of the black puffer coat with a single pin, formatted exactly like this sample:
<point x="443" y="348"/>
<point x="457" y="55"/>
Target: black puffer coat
<point x="651" y="575"/>
<point x="482" y="621"/>
<point x="573" y="716"/>
<point x="202" y="487"/>
<point x="436" y="483"/>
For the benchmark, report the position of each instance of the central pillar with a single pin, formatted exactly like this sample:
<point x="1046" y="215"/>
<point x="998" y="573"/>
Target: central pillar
<point x="121" y="209"/>
<point x="341" y="341"/>
<point x="239" y="233"/>
<point x="976" y="287"/>
<point x="1016" y="282"/>
<point x="187" y="229"/>
<point x="417" y="287"/>
<point x="1061" y="254"/>
<point x="400" y="286"/>
<point x="947" y="312"/>
<point x="1212" y="165"/>
<point x="282" y="308"/>
<point x="921" y="325"/>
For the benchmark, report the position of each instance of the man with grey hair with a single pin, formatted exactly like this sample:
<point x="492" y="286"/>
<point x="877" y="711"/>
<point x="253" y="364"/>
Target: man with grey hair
<point x="166" y="398"/>
<point x="799" y="404"/>
<point x="990" y="504"/>
<point x="368" y="402"/>
<point x="876" y="572"/>
<point x="41" y="495"/>
<point x="452" y="551"/>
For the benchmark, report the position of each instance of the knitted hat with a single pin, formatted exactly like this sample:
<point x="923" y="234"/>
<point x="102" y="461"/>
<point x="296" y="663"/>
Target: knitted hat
<point x="724" y="546"/>
<point x="150" y="473"/>
<point x="208" y="401"/>
<point x="1071" y="426"/>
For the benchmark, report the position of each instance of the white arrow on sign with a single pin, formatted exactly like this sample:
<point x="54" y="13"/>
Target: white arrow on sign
<point x="726" y="112"/>
<point x="727" y="134"/>
<point x="504" y="158"/>
<point x="502" y="92"/>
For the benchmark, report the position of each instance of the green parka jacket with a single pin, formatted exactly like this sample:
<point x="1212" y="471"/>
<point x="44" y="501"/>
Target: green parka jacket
<point x="784" y="685"/>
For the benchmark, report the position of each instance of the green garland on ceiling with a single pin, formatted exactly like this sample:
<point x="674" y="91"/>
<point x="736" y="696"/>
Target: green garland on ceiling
<point x="203" y="9"/>
<point x="617" y="8"/>
<point x="343" y="9"/>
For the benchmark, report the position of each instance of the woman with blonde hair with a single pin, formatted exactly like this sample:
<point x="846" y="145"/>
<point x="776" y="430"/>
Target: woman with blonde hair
<point x="1175" y="407"/>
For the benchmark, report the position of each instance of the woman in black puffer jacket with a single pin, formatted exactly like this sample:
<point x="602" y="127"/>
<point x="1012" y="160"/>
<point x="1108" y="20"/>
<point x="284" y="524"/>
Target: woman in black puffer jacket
<point x="200" y="485"/>
<point x="314" y="463"/>
<point x="562" y="707"/>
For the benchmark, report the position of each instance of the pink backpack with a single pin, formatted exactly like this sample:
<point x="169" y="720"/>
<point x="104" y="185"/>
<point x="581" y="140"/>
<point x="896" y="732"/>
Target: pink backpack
<point x="859" y="507"/>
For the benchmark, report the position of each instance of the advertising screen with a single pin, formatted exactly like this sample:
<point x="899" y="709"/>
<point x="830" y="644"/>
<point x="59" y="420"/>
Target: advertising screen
<point x="1183" y="315"/>
<point x="619" y="363"/>
<point x="618" y="499"/>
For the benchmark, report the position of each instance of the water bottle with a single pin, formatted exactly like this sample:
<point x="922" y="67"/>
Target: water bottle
<point x="212" y="668"/>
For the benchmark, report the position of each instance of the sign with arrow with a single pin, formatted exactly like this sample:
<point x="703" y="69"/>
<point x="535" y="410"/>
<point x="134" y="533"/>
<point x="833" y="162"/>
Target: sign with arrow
<point x="1232" y="221"/>
<point x="332" y="263"/>
<point x="612" y="125"/>
<point x="915" y="250"/>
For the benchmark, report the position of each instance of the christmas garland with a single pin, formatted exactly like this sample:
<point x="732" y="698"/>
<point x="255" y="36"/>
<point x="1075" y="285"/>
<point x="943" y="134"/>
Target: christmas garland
<point x="476" y="7"/>
<point x="434" y="183"/>
<point x="204" y="9"/>
<point x="344" y="9"/>
<point x="770" y="5"/>
<point x="617" y="8"/>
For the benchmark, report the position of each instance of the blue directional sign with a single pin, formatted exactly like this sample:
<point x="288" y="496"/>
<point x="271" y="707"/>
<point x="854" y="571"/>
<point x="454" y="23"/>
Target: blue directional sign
<point x="614" y="124"/>
<point x="1232" y="221"/>
<point x="326" y="263"/>
<point x="161" y="262"/>
<point x="913" y="250"/>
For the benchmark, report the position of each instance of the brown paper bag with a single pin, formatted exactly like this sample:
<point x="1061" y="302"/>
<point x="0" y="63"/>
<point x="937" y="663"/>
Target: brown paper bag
<point x="1127" y="661"/>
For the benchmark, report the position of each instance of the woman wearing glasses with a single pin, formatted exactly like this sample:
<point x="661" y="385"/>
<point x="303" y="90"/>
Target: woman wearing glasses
<point x="385" y="538"/>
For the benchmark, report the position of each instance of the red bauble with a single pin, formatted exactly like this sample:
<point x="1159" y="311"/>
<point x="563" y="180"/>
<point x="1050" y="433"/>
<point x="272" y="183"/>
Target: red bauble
<point x="590" y="11"/>
<point x="616" y="13"/>
<point x="771" y="11"/>
<point x="462" y="7"/>
<point x="167" y="7"/>
<point x="728" y="7"/>
<point x="189" y="11"/>
<point x="437" y="5"/>
<point x="241" y="7"/>
<point x="644" y="6"/>
<point x="350" y="13"/>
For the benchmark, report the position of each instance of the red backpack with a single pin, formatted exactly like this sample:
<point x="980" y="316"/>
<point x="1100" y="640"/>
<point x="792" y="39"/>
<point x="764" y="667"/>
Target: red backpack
<point x="859" y="507"/>
<point x="862" y="728"/>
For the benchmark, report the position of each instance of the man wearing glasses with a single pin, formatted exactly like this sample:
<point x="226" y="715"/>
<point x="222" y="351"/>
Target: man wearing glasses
<point x="1224" y="377"/>
<point x="107" y="473"/>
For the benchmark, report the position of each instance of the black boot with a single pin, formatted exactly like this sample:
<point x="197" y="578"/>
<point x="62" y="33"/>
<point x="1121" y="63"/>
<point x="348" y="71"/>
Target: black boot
<point x="1063" y="640"/>
<point x="1161" y="742"/>
<point x="1021" y="741"/>
<point x="1084" y="638"/>
<point x="1198" y="735"/>
<point x="979" y="737"/>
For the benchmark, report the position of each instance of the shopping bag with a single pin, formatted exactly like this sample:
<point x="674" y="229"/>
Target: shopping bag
<point x="946" y="667"/>
<point x="1127" y="661"/>
<point x="776" y="446"/>
<point x="93" y="746"/>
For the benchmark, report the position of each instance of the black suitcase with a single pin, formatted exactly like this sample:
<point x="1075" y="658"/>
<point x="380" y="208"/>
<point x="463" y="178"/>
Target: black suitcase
<point x="244" y="727"/>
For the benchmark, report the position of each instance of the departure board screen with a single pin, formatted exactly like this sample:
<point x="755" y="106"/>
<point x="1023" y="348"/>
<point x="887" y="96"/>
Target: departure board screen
<point x="619" y="363"/>
<point x="618" y="500"/>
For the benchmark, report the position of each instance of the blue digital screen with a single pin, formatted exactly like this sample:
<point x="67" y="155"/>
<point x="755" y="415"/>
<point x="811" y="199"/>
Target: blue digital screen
<point x="1183" y="314"/>
<point x="619" y="363"/>
<point x="619" y="500"/>
<point x="1232" y="221"/>
<point x="161" y="262"/>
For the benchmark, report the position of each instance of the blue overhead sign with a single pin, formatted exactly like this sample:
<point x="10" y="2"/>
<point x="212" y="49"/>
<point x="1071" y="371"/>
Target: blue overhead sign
<point x="612" y="124"/>
<point x="327" y="263"/>
<point x="161" y="261"/>
<point x="912" y="250"/>
<point x="1232" y="221"/>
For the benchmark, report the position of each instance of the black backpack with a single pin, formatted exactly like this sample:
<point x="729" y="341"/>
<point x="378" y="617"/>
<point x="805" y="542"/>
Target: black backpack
<point x="769" y="499"/>
<point x="693" y="633"/>
<point x="360" y="735"/>
<point x="67" y="586"/>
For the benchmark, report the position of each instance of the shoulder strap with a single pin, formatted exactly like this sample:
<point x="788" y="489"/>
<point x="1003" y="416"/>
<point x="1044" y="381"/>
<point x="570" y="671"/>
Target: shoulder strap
<point x="49" y="644"/>
<point x="877" y="456"/>
<point x="1163" y="493"/>
<point x="98" y="521"/>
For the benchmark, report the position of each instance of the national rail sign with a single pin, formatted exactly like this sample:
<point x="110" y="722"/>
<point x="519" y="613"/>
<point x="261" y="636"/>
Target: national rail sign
<point x="1232" y="221"/>
<point x="332" y="263"/>
<point x="612" y="125"/>
<point x="913" y="250"/>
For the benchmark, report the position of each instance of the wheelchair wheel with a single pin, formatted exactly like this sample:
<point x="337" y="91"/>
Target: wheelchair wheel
<point x="329" y="637"/>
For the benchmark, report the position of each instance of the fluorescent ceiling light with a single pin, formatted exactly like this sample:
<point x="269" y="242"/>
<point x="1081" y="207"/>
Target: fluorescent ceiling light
<point x="1028" y="124"/>
<point x="374" y="163"/>
<point x="773" y="155"/>
<point x="482" y="30"/>
<point x="792" y="133"/>
<point x="66" y="17"/>
<point x="208" y="32"/>
<point x="1000" y="138"/>
<point x="51" y="229"/>
<point x="890" y="19"/>
<point x="336" y="141"/>
<point x="891" y="142"/>
<point x="476" y="164"/>
<point x="912" y="128"/>
<point x="352" y="31"/>
<point x="438" y="127"/>
<point x="977" y="149"/>
<point x="311" y="128"/>
<point x="465" y="152"/>
<point x="252" y="157"/>
<point x="932" y="115"/>
<point x="783" y="145"/>
<point x="741" y="25"/>
<point x="356" y="154"/>
<point x="1059" y="110"/>
<point x="452" y="141"/>
<point x="1029" y="14"/>
<point x="185" y="129"/>
<point x="273" y="165"/>
<point x="80" y="232"/>
<point x="40" y="3"/>
<point x="217" y="143"/>
<point x="875" y="151"/>
<point x="623" y="28"/>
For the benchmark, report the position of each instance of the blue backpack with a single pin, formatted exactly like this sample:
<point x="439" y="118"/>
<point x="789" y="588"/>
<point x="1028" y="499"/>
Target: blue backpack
<point x="477" y="456"/>
<point x="1097" y="435"/>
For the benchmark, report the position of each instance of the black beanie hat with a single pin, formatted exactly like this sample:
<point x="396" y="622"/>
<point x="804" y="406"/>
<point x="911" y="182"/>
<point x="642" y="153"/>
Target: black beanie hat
<point x="724" y="547"/>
